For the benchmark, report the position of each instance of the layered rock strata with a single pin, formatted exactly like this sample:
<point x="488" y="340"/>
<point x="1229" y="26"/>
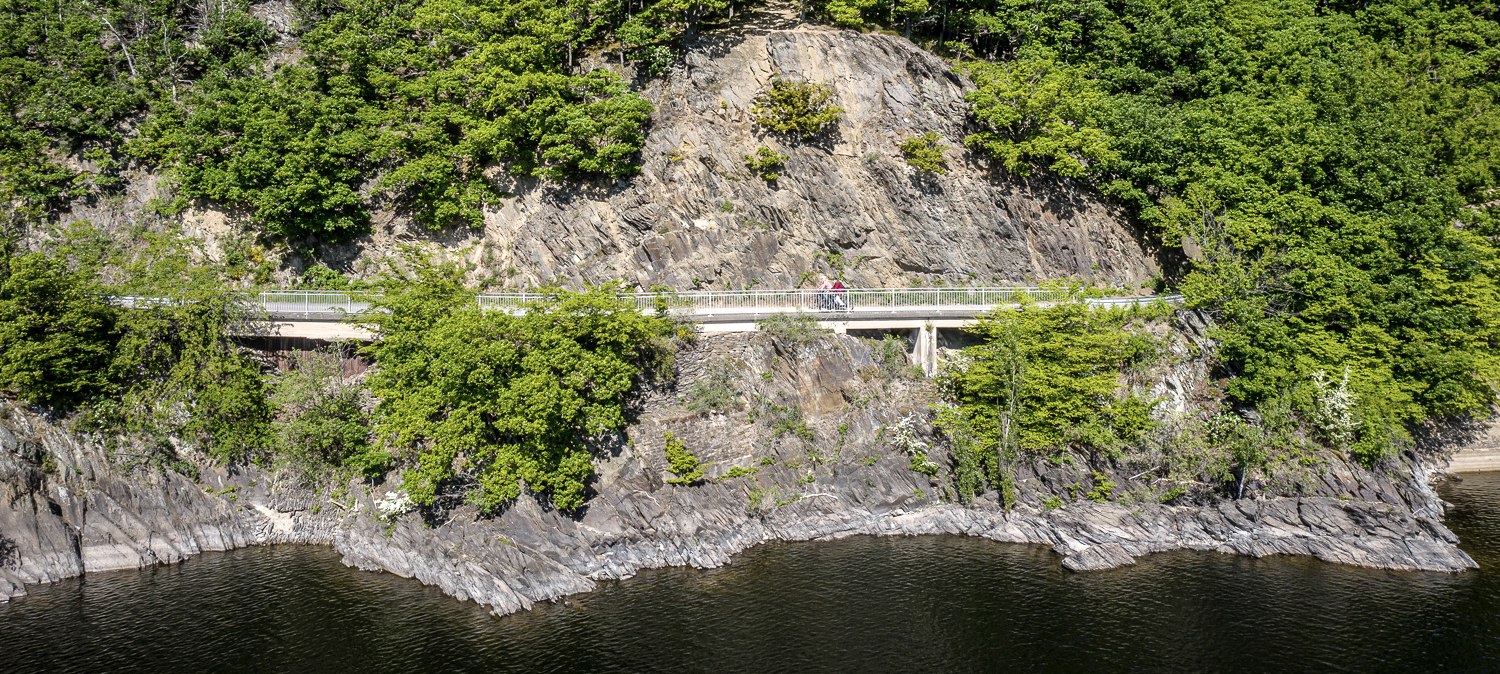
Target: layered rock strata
<point x="66" y="508"/>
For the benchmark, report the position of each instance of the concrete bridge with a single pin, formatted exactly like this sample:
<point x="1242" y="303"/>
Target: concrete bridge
<point x="918" y="312"/>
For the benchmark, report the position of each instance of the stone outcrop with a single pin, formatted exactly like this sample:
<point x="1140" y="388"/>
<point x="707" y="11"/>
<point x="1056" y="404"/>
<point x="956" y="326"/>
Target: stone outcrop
<point x="696" y="215"/>
<point x="67" y="508"/>
<point x="822" y="467"/>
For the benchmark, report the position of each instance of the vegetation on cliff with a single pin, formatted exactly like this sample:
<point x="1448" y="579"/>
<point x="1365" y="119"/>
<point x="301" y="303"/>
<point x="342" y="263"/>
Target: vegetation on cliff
<point x="1044" y="381"/>
<point x="1326" y="170"/>
<point x="477" y="404"/>
<point x="484" y="403"/>
<point x="422" y="95"/>
<point x="165" y="371"/>
<point x="1329" y="169"/>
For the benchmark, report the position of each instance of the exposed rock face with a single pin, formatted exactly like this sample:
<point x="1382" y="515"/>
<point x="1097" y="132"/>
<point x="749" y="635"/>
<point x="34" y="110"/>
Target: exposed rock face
<point x="697" y="214"/>
<point x="838" y="477"/>
<point x="66" y="509"/>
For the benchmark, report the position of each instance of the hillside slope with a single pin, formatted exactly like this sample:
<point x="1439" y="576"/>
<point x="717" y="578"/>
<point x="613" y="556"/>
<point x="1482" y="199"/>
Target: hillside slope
<point x="696" y="215"/>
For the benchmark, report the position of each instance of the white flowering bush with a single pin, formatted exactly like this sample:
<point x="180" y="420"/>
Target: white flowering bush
<point x="1333" y="411"/>
<point x="903" y="435"/>
<point x="395" y="504"/>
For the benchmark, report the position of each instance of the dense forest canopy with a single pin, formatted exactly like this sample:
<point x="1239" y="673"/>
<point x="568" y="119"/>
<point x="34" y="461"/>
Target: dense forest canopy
<point x="1327" y="169"/>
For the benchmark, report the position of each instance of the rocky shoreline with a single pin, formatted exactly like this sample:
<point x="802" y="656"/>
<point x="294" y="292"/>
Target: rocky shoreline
<point x="67" y="508"/>
<point x="69" y="527"/>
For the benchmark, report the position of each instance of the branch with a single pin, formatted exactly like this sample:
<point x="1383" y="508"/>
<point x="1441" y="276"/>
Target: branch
<point x="128" y="59"/>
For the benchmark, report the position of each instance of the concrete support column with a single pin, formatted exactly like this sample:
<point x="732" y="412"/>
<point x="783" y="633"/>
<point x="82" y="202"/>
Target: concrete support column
<point x="926" y="351"/>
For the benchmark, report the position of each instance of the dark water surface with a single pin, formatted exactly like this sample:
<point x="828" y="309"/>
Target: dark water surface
<point x="864" y="604"/>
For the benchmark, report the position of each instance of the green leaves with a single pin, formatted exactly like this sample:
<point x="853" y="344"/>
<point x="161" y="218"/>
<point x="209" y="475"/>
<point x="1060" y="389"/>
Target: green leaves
<point x="766" y="163"/>
<point x="422" y="96"/>
<point x="1049" y="378"/>
<point x="56" y="334"/>
<point x="321" y="424"/>
<point x="681" y="462"/>
<point x="500" y="401"/>
<point x="803" y="110"/>
<point x="180" y="357"/>
<point x="595" y="126"/>
<point x="294" y="160"/>
<point x="1037" y="111"/>
<point x="925" y="153"/>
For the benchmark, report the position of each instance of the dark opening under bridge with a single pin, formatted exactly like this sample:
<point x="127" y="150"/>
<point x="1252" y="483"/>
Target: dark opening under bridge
<point x="326" y="315"/>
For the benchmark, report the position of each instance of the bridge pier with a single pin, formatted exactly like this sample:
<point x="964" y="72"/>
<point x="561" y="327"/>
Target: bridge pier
<point x="926" y="351"/>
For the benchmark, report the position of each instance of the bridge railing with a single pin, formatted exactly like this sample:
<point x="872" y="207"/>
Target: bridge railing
<point x="313" y="302"/>
<point x="746" y="301"/>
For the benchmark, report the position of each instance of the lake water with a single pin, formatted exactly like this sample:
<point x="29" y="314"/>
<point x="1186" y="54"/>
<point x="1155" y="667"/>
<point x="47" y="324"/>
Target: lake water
<point x="857" y="605"/>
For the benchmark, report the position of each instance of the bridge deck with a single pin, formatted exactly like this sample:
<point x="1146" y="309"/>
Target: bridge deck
<point x="325" y="316"/>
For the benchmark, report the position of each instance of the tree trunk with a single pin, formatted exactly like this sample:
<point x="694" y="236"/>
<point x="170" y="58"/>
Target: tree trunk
<point x="943" y="25"/>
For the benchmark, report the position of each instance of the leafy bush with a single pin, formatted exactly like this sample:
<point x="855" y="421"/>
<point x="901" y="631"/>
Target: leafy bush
<point x="738" y="472"/>
<point x="182" y="356"/>
<point x="78" y="73"/>
<point x="797" y="331"/>
<point x="925" y="153"/>
<point x="681" y="462"/>
<point x="1043" y="378"/>
<point x="796" y="108"/>
<point x="848" y="13"/>
<point x="57" y="337"/>
<point x="890" y="355"/>
<point x="501" y="401"/>
<point x="166" y="372"/>
<point x="1102" y="489"/>
<point x="903" y="436"/>
<point x="714" y="392"/>
<point x="1338" y="213"/>
<point x="852" y="13"/>
<point x="783" y="419"/>
<point x="1038" y="110"/>
<point x="322" y="426"/>
<point x="423" y="96"/>
<point x="766" y="163"/>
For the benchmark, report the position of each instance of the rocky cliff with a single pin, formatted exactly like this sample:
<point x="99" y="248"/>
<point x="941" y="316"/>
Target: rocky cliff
<point x="812" y="442"/>
<point x="807" y="450"/>
<point x="697" y="216"/>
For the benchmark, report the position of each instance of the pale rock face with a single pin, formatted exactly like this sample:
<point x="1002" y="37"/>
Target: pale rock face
<point x="696" y="214"/>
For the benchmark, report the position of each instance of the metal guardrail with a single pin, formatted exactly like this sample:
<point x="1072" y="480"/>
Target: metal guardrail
<point x="313" y="302"/>
<point x="708" y="302"/>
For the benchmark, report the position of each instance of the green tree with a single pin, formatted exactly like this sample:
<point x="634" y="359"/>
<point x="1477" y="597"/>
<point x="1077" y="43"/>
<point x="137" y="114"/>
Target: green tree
<point x="57" y="332"/>
<point x="681" y="462"/>
<point x="504" y="401"/>
<point x="766" y="163"/>
<point x="796" y="108"/>
<point x="925" y="153"/>
<point x="1036" y="110"/>
<point x="321" y="424"/>
<point x="1045" y="378"/>
<point x="184" y="377"/>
